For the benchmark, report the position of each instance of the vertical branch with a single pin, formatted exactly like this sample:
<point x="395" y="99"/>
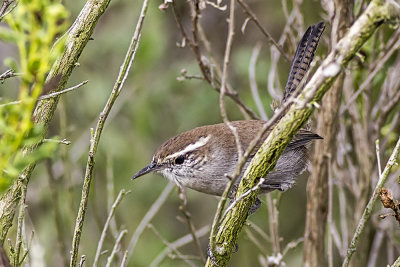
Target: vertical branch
<point x="124" y="70"/>
<point x="228" y="48"/>
<point x="224" y="116"/>
<point x="253" y="81"/>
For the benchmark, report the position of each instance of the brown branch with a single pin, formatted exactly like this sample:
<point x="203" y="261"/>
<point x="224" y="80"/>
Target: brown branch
<point x="205" y="68"/>
<point x="390" y="203"/>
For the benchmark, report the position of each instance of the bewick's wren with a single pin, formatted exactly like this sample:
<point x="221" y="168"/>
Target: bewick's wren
<point x="201" y="158"/>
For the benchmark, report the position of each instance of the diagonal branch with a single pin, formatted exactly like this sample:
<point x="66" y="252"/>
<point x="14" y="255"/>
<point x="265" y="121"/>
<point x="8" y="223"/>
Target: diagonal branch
<point x="371" y="203"/>
<point x="94" y="141"/>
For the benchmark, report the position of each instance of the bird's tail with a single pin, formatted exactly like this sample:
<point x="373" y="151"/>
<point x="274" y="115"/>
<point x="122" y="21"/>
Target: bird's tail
<point x="302" y="59"/>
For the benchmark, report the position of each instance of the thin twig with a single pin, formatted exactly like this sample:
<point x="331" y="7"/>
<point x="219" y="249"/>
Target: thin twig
<point x="260" y="232"/>
<point x="52" y="95"/>
<point x="124" y="258"/>
<point x="205" y="68"/>
<point x="234" y="203"/>
<point x="253" y="17"/>
<point x="368" y="209"/>
<point x="177" y="244"/>
<point x="110" y="193"/>
<point x="116" y="247"/>
<point x="64" y="141"/>
<point x="253" y="81"/>
<point x="273" y="215"/>
<point x="224" y="116"/>
<point x="390" y="203"/>
<point x="188" y="221"/>
<point x="228" y="48"/>
<point x="168" y="244"/>
<point x="28" y="249"/>
<point x="82" y="260"/>
<point x="292" y="245"/>
<point x="148" y="217"/>
<point x="253" y="238"/>
<point x="378" y="66"/>
<point x="124" y="70"/>
<point x="111" y="213"/>
<point x="378" y="158"/>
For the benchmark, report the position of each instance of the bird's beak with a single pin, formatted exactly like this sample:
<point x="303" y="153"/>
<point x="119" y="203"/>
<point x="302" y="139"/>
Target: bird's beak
<point x="149" y="168"/>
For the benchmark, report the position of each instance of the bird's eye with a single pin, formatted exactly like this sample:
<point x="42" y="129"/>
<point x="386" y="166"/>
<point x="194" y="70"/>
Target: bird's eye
<point x="179" y="160"/>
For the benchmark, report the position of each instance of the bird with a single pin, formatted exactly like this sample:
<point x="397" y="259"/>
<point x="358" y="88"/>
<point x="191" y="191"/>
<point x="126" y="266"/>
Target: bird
<point x="203" y="158"/>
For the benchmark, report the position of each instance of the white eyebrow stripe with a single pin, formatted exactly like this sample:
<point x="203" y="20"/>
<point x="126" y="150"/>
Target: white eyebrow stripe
<point x="201" y="142"/>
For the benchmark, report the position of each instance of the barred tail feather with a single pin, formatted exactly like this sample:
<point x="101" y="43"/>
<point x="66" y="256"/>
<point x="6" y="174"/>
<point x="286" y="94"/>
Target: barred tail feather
<point x="302" y="58"/>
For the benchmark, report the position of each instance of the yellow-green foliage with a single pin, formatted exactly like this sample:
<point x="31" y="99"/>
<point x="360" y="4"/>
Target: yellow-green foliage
<point x="36" y="28"/>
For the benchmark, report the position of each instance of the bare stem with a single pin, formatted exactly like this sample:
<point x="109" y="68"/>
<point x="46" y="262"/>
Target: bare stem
<point x="179" y="243"/>
<point x="121" y="194"/>
<point x="52" y="95"/>
<point x="253" y="81"/>
<point x="148" y="217"/>
<point x="8" y="73"/>
<point x="168" y="244"/>
<point x="124" y="70"/>
<point x="116" y="247"/>
<point x="368" y="209"/>
<point x="188" y="220"/>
